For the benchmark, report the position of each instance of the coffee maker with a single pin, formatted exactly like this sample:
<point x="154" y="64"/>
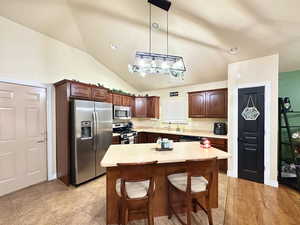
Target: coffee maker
<point x="220" y="128"/>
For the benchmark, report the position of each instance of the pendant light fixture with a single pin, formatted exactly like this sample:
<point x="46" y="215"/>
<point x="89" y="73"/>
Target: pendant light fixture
<point x="153" y="63"/>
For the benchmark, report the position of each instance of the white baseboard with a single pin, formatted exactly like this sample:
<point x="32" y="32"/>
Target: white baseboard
<point x="230" y="173"/>
<point x="272" y="183"/>
<point x="52" y="177"/>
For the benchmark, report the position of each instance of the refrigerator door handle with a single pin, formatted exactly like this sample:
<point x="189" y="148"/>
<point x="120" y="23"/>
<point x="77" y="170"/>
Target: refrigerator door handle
<point x="95" y="130"/>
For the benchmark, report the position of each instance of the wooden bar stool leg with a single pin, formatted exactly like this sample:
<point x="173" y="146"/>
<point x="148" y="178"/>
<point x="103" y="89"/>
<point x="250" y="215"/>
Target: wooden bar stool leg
<point x="169" y="203"/>
<point x="150" y="215"/>
<point x="188" y="211"/>
<point x="194" y="206"/>
<point x="124" y="213"/>
<point x="209" y="214"/>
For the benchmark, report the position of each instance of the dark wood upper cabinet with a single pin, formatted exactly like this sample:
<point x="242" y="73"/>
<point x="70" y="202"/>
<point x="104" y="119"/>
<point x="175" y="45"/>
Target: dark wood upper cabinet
<point x="146" y="107"/>
<point x="216" y="103"/>
<point x="80" y="91"/>
<point x="153" y="107"/>
<point x="197" y="104"/>
<point x="132" y="105"/>
<point x="208" y="104"/>
<point x="126" y="100"/>
<point x="99" y="94"/>
<point x="141" y="107"/>
<point x="117" y="99"/>
<point x="109" y="97"/>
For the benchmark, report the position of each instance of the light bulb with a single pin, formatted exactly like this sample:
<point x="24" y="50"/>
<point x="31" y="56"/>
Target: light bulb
<point x="164" y="65"/>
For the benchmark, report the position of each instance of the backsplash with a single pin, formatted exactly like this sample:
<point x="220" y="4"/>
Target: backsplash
<point x="205" y="124"/>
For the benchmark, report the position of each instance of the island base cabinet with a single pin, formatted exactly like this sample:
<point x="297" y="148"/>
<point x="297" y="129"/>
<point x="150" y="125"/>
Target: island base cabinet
<point x="160" y="201"/>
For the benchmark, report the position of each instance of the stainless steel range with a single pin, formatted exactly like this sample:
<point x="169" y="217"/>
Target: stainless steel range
<point x="127" y="135"/>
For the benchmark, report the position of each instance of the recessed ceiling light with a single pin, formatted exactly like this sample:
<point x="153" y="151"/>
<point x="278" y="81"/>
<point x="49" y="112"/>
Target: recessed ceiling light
<point x="234" y="51"/>
<point x="113" y="47"/>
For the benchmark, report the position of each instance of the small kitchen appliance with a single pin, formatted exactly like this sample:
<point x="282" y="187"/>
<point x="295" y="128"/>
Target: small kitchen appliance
<point x="220" y="128"/>
<point x="122" y="113"/>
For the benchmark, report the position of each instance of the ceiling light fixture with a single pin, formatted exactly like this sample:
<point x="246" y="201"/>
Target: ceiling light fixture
<point x="113" y="47"/>
<point x="234" y="51"/>
<point x="153" y="63"/>
<point x="155" y="26"/>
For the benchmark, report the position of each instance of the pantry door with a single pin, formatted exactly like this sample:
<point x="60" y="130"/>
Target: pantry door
<point x="22" y="137"/>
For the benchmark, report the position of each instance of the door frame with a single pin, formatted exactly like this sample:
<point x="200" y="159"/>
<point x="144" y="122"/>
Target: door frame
<point x="50" y="122"/>
<point x="267" y="145"/>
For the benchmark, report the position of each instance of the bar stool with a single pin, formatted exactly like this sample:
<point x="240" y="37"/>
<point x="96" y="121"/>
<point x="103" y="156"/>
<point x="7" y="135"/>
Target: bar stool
<point x="136" y="189"/>
<point x="193" y="185"/>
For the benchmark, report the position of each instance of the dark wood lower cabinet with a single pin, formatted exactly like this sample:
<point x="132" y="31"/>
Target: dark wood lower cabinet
<point x="221" y="144"/>
<point x="116" y="140"/>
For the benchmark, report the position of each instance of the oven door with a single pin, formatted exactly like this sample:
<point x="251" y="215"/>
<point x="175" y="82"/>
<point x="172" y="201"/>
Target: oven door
<point x="122" y="113"/>
<point x="128" y="140"/>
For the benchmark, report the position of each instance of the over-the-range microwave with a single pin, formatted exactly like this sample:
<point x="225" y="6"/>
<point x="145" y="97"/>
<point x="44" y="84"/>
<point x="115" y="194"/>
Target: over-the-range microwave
<point x="122" y="112"/>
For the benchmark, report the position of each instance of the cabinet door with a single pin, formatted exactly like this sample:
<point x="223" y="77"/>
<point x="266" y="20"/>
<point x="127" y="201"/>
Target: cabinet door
<point x="220" y="144"/>
<point x="142" y="137"/>
<point x="81" y="91"/>
<point x="126" y="100"/>
<point x="109" y="98"/>
<point x="117" y="99"/>
<point x="132" y="105"/>
<point x="197" y="104"/>
<point x="100" y="94"/>
<point x="216" y="104"/>
<point x="153" y="107"/>
<point x="141" y="107"/>
<point x="152" y="137"/>
<point x="116" y="140"/>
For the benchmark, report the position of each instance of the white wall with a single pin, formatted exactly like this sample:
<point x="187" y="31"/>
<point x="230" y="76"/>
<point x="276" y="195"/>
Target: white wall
<point x="29" y="57"/>
<point x="255" y="72"/>
<point x="195" y="124"/>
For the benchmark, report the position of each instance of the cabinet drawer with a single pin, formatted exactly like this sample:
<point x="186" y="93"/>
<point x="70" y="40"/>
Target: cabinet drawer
<point x="218" y="141"/>
<point x="99" y="94"/>
<point x="81" y="91"/>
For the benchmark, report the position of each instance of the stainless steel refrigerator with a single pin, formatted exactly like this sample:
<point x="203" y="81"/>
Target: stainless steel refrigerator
<point x="91" y="137"/>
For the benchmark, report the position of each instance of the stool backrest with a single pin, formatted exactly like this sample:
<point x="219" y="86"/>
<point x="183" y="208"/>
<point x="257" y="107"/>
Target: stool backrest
<point x="204" y="168"/>
<point x="137" y="172"/>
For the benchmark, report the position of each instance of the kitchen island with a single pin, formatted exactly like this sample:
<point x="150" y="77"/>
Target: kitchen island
<point x="168" y="162"/>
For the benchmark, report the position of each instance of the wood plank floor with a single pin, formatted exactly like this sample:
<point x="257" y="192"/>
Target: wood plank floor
<point x="250" y="203"/>
<point x="242" y="203"/>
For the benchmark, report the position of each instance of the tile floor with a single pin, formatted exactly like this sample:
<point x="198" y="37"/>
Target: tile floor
<point x="53" y="203"/>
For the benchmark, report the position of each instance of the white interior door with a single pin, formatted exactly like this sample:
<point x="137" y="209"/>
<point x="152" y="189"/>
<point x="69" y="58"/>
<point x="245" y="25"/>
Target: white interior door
<point x="22" y="137"/>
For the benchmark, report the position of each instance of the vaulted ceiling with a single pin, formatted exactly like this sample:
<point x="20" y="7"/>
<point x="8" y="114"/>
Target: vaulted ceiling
<point x="201" y="31"/>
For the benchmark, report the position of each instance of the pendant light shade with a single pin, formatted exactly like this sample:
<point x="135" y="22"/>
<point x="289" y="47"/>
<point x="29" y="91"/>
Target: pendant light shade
<point x="153" y="63"/>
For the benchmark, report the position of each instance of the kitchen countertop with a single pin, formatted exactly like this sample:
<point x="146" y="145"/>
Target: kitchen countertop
<point x="116" y="134"/>
<point x="196" y="133"/>
<point x="139" y="153"/>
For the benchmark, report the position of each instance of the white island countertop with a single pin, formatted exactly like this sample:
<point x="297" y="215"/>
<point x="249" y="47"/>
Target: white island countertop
<point x="139" y="153"/>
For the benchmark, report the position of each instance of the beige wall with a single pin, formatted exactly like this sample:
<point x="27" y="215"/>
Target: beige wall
<point x="27" y="55"/>
<point x="198" y="124"/>
<point x="256" y="72"/>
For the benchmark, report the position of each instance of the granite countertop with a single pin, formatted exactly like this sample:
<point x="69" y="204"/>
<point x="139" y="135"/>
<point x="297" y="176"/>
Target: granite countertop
<point x="196" y="133"/>
<point x="139" y="153"/>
